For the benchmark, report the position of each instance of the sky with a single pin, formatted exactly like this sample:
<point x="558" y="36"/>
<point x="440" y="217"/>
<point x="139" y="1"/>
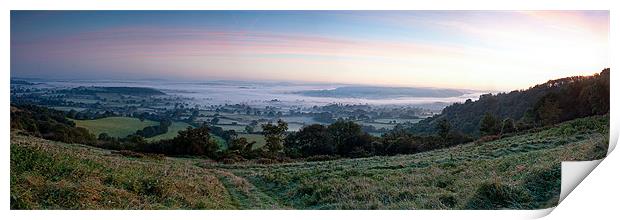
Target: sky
<point x="488" y="50"/>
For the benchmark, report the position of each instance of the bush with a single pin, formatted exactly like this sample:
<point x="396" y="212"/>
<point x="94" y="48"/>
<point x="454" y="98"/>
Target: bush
<point x="508" y="126"/>
<point x="274" y="136"/>
<point x="309" y="141"/>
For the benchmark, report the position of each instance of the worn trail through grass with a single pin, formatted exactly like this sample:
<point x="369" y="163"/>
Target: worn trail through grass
<point x="244" y="194"/>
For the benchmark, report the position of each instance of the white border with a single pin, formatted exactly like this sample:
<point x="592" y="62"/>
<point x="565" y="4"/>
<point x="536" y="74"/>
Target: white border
<point x="581" y="205"/>
<point x="312" y="5"/>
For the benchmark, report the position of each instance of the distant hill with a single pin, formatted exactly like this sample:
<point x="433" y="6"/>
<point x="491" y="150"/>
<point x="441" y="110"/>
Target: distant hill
<point x="20" y="82"/>
<point x="377" y="92"/>
<point x="134" y="91"/>
<point x="548" y="103"/>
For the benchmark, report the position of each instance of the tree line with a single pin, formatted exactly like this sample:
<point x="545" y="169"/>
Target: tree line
<point x="342" y="138"/>
<point x="49" y="124"/>
<point x="339" y="139"/>
<point x="154" y="130"/>
<point x="541" y="105"/>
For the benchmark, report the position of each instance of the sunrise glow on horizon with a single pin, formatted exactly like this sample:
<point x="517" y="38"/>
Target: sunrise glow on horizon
<point x="494" y="50"/>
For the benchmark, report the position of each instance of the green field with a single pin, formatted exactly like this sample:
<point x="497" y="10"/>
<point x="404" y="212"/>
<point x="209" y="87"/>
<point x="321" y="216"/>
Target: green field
<point x="226" y="121"/>
<point x="236" y="128"/>
<point x="114" y="126"/>
<point x="518" y="172"/>
<point x="173" y="130"/>
<point x="260" y="139"/>
<point x="123" y="126"/>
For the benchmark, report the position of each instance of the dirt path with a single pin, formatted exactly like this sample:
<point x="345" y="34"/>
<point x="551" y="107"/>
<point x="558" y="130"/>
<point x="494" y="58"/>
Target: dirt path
<point x="244" y="193"/>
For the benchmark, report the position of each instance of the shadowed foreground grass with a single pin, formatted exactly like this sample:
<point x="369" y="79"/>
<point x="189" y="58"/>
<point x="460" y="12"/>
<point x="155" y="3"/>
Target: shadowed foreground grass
<point x="52" y="175"/>
<point x="519" y="172"/>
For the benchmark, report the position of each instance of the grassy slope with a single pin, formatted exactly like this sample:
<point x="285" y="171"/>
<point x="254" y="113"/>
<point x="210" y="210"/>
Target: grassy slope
<point x="114" y="126"/>
<point x="53" y="175"/>
<point x="515" y="172"/>
<point x="520" y="170"/>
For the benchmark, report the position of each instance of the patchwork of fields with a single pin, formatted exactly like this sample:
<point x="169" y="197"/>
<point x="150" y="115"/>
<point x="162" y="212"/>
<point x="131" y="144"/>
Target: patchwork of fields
<point x="518" y="172"/>
<point x="114" y="126"/>
<point x="122" y="126"/>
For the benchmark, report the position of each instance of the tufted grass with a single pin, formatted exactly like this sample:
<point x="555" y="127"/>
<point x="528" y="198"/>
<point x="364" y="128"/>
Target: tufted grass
<point x="517" y="172"/>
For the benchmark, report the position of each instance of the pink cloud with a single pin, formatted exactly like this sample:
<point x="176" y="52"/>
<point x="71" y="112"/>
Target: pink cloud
<point x="155" y="42"/>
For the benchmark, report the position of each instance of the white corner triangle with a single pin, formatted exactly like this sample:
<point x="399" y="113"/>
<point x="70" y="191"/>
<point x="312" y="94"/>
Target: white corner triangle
<point x="573" y="172"/>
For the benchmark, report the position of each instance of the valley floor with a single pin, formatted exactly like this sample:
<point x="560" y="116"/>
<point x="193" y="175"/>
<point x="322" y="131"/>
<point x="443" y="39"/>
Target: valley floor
<point x="518" y="172"/>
